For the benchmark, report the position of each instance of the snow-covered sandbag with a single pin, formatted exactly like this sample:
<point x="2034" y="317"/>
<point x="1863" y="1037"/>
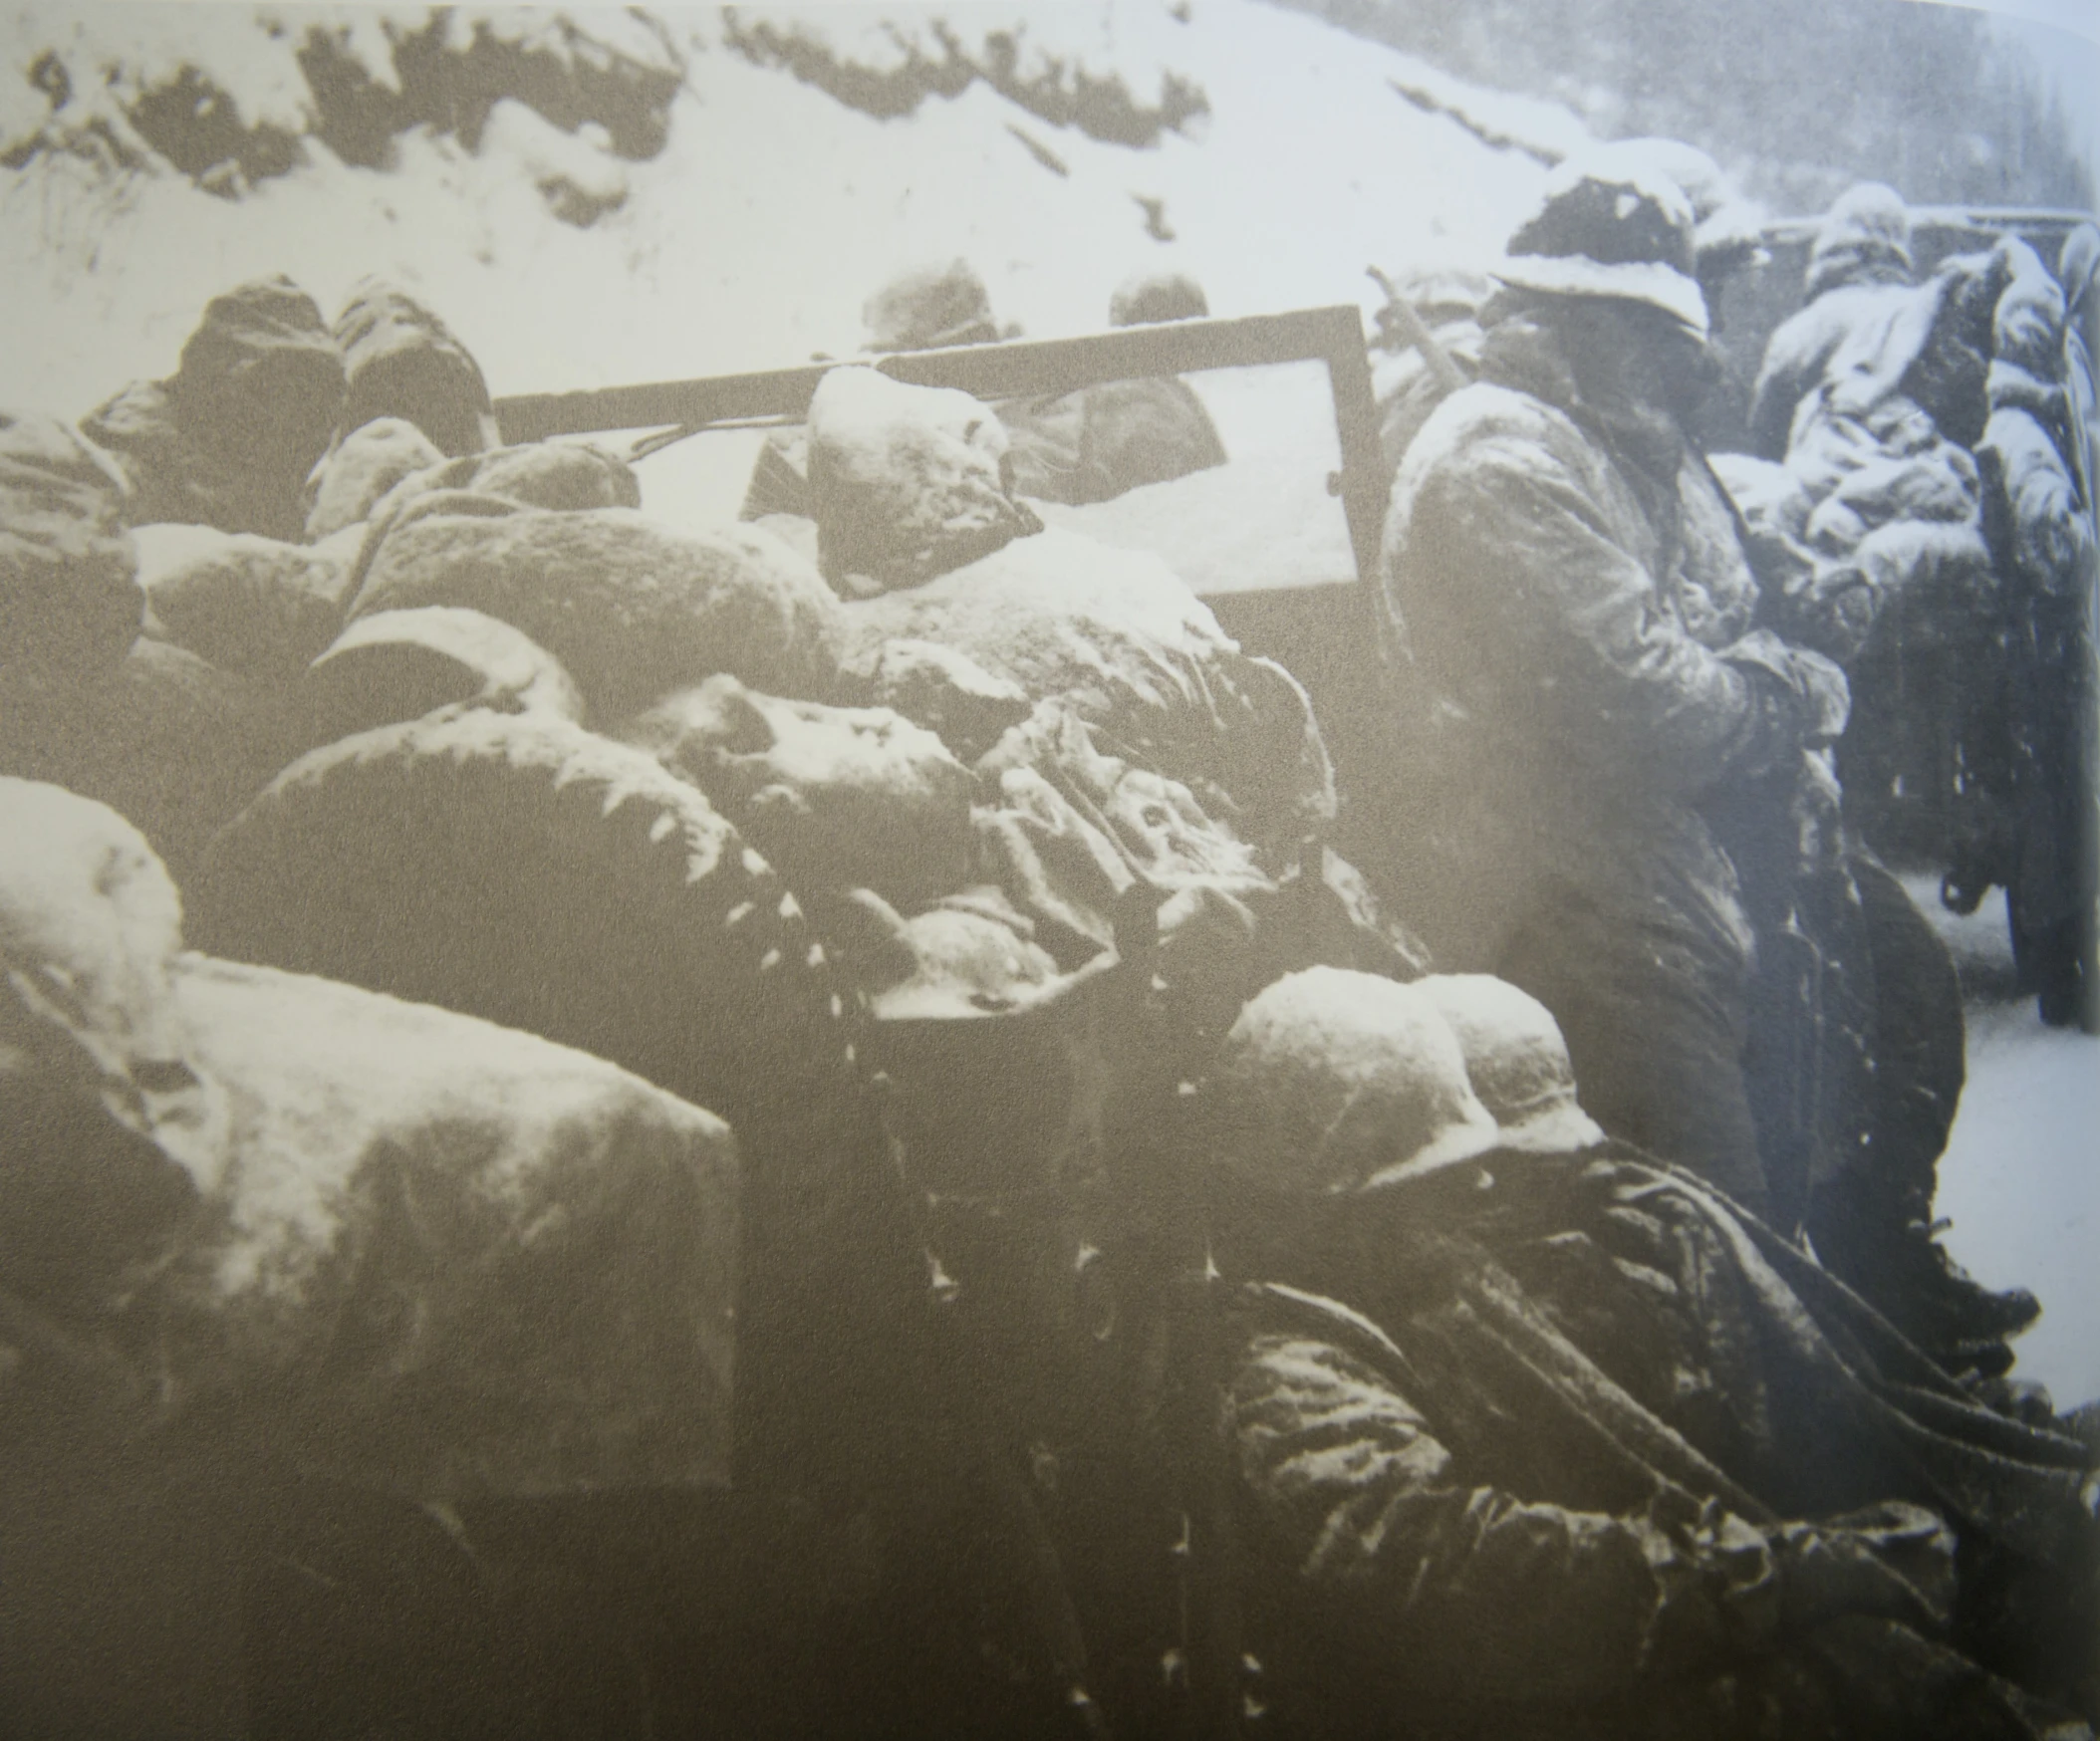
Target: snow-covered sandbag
<point x="633" y="609"/>
<point x="69" y="603"/>
<point x="396" y="1245"/>
<point x="245" y="603"/>
<point x="569" y="477"/>
<point x="104" y="1131"/>
<point x="566" y="475"/>
<point x="837" y="797"/>
<point x="448" y="1259"/>
<point x="398" y="666"/>
<point x="1115" y="633"/>
<point x="906" y="482"/>
<point x="517" y="868"/>
<point x="167" y="739"/>
<point x="352" y="477"/>
<point x="402" y="360"/>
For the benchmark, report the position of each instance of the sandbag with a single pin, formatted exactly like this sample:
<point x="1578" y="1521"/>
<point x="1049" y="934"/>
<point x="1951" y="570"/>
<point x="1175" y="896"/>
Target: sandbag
<point x="448" y="1259"/>
<point x="906" y="482"/>
<point x="632" y="609"/>
<point x="244" y="603"/>
<point x="837" y="797"/>
<point x="398" y="666"/>
<point x="566" y="475"/>
<point x="402" y="360"/>
<point x="69" y="604"/>
<point x="1136" y="655"/>
<point x="104" y="1132"/>
<point x="358" y="471"/>
<point x="517" y="868"/>
<point x="166" y="739"/>
<point x="394" y="1245"/>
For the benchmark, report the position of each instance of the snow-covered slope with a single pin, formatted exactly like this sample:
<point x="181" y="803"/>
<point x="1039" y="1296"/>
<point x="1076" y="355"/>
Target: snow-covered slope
<point x="605" y="195"/>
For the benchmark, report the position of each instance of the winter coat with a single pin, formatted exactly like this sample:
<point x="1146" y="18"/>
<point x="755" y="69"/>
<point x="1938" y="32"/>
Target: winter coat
<point x="1569" y="617"/>
<point x="1801" y="350"/>
<point x="2044" y="533"/>
<point x="1096" y="444"/>
<point x="1545" y="1474"/>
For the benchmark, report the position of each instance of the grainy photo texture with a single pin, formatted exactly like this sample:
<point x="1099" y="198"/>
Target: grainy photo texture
<point x="1154" y="871"/>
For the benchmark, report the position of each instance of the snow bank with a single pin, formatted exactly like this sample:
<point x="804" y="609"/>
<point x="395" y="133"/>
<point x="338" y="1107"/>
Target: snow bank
<point x="586" y="251"/>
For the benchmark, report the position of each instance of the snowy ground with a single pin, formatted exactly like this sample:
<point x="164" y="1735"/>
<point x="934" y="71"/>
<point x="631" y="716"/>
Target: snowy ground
<point x="2020" y="1179"/>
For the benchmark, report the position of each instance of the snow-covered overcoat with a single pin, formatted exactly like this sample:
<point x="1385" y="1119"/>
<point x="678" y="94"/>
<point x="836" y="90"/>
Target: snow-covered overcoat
<point x="1570" y="625"/>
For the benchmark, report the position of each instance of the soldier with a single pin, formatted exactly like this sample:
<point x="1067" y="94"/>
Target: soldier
<point x="1529" y="1435"/>
<point x="924" y="308"/>
<point x="1859" y="267"/>
<point x="1106" y="439"/>
<point x="2041" y="522"/>
<point x="1570" y="614"/>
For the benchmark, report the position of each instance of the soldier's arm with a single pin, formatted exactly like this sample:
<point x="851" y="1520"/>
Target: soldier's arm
<point x="1529" y="578"/>
<point x="1473" y="1586"/>
<point x="1793" y="360"/>
<point x="1463" y="1585"/>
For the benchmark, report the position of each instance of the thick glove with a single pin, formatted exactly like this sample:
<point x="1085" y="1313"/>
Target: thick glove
<point x="1810" y="687"/>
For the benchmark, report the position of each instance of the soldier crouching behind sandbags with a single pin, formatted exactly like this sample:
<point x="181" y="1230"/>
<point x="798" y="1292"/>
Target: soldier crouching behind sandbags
<point x="1527" y="1434"/>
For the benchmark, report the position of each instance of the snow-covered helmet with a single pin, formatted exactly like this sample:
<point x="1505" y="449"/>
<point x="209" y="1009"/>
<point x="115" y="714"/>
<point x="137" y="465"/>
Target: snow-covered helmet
<point x="1152" y="297"/>
<point x="1865" y="238"/>
<point x="1611" y="225"/>
<point x="1516" y="1060"/>
<point x="929" y="306"/>
<point x="1331" y="1082"/>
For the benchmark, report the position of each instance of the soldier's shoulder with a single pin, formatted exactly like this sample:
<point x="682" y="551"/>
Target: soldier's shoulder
<point x="1486" y="425"/>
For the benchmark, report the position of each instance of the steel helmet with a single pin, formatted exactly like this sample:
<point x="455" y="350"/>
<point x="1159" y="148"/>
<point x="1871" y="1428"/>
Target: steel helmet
<point x="1333" y="1081"/>
<point x="1612" y="225"/>
<point x="1516" y="1060"/>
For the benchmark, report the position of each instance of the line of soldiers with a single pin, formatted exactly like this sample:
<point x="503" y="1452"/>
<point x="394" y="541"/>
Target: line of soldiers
<point x="1163" y="1306"/>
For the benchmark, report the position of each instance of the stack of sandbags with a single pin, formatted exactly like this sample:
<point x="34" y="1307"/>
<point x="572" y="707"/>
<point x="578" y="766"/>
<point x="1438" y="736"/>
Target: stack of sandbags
<point x="631" y="608"/>
<point x="420" y="1252"/>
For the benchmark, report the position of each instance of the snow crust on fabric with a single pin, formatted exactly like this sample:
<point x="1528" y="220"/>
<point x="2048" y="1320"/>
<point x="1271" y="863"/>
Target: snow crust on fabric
<point x="398" y="665"/>
<point x="837" y="797"/>
<point x="519" y="869"/>
<point x="400" y="361"/>
<point x="451" y="1260"/>
<point x="246" y="604"/>
<point x="1138" y="656"/>
<point x="565" y="475"/>
<point x="349" y="480"/>
<point x="906" y="482"/>
<point x="166" y="739"/>
<point x="631" y="608"/>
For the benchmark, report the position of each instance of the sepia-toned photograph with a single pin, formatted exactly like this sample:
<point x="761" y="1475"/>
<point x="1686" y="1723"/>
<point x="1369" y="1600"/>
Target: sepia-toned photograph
<point x="1081" y="870"/>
